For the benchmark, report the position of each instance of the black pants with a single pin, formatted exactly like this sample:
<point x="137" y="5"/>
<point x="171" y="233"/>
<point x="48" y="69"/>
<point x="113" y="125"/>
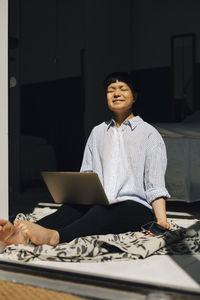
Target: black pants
<point x="72" y="221"/>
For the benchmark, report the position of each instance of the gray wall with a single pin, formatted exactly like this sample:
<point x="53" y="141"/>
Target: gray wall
<point x="108" y="49"/>
<point x="53" y="38"/>
<point x="116" y="35"/>
<point x="154" y="22"/>
<point x="52" y="34"/>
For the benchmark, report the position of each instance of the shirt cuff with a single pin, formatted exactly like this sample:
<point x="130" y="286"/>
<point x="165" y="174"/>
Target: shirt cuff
<point x="155" y="193"/>
<point x="86" y="171"/>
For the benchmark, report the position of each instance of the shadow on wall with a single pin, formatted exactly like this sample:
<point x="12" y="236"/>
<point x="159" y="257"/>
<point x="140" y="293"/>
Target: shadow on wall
<point x="155" y="94"/>
<point x="54" y="111"/>
<point x="154" y="100"/>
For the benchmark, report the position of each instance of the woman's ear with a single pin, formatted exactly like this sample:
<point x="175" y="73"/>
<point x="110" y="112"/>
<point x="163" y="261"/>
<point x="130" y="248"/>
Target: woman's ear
<point x="135" y="96"/>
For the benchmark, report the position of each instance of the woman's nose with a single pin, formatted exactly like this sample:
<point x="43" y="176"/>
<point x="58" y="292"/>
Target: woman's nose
<point x="116" y="93"/>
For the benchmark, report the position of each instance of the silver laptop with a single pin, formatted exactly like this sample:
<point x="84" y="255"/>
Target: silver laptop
<point x="75" y="188"/>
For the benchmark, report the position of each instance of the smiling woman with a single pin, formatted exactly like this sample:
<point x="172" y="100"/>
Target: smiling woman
<point x="50" y="50"/>
<point x="129" y="157"/>
<point x="120" y="95"/>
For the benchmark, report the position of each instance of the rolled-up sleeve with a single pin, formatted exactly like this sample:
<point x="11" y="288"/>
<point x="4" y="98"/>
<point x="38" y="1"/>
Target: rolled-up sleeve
<point x="154" y="173"/>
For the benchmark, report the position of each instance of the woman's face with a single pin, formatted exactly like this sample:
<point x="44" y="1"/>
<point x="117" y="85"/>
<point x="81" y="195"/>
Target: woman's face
<point x="119" y="97"/>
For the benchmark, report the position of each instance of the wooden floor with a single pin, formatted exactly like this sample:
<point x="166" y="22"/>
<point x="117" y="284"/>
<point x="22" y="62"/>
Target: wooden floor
<point x="15" y="291"/>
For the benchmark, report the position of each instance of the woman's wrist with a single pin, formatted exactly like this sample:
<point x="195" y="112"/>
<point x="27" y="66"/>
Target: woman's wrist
<point x="159" y="207"/>
<point x="159" y="220"/>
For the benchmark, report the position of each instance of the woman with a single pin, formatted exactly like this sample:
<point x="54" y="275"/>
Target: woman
<point x="129" y="157"/>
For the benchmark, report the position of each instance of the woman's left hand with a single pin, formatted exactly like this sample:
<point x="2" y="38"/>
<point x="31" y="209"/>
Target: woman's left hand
<point x="164" y="224"/>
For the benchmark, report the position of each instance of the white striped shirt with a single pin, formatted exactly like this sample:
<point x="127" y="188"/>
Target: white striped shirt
<point x="130" y="161"/>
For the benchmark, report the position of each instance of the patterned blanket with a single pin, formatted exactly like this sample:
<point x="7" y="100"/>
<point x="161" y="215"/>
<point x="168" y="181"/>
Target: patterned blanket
<point x="102" y="248"/>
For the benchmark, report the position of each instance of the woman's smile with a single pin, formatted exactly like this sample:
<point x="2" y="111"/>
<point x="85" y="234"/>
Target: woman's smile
<point x="118" y="100"/>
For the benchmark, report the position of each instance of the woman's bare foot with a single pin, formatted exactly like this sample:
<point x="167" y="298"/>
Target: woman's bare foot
<point x="37" y="234"/>
<point x="9" y="234"/>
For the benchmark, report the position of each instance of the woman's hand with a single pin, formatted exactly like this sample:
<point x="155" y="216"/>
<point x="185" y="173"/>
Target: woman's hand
<point x="159" y="207"/>
<point x="164" y="224"/>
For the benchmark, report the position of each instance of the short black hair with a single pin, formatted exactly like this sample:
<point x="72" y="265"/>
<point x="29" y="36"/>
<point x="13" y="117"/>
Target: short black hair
<point x="120" y="76"/>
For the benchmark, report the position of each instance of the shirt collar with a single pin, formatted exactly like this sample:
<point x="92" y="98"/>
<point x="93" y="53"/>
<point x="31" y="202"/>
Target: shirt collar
<point x="133" y="122"/>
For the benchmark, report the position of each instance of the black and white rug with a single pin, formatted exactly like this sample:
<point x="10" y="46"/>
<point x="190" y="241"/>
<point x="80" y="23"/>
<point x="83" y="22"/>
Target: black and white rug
<point x="103" y="248"/>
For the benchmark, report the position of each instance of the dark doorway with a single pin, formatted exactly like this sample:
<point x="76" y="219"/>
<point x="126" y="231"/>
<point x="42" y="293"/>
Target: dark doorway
<point x="46" y="130"/>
